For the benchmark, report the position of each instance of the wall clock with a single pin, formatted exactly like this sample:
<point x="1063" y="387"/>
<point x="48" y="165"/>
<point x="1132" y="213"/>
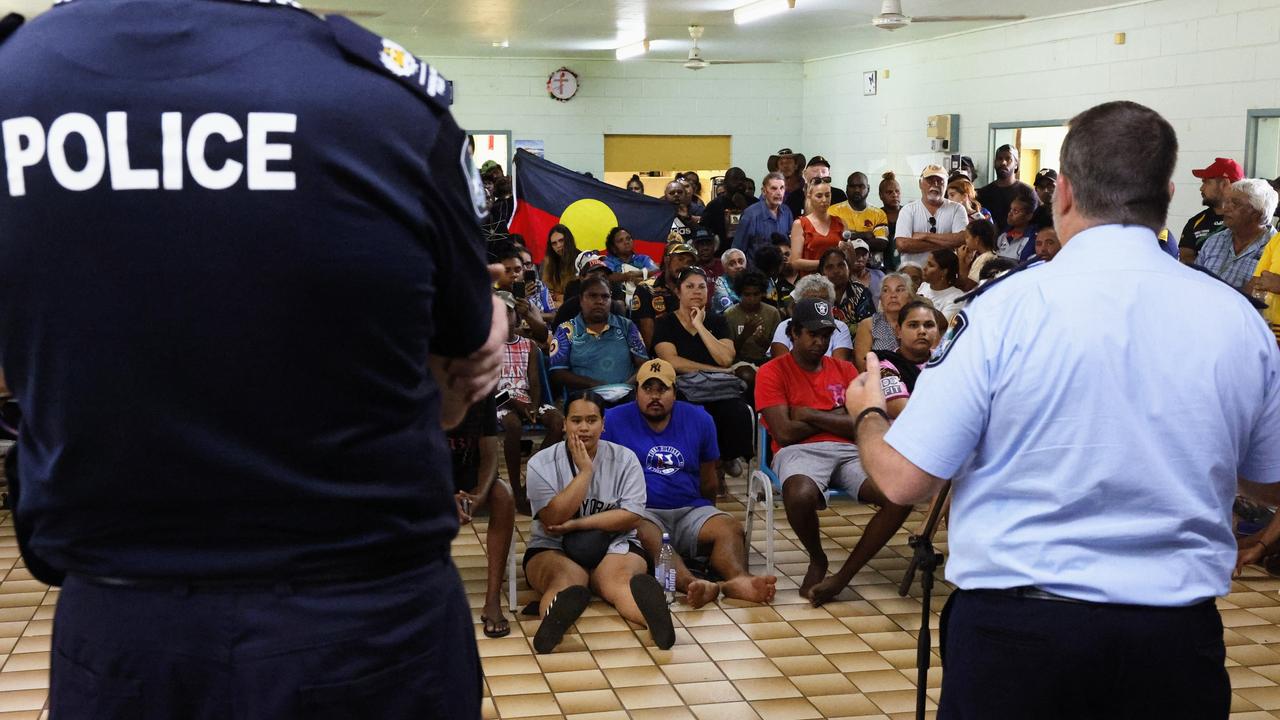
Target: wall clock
<point x="563" y="84"/>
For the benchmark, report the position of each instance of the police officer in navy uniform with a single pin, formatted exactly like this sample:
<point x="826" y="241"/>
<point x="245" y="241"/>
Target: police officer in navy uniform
<point x="244" y="290"/>
<point x="1094" y="446"/>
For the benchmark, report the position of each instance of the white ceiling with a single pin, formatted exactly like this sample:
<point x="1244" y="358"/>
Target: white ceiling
<point x="594" y="28"/>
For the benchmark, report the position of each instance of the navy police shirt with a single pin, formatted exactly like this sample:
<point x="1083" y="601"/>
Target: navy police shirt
<point x="231" y="234"/>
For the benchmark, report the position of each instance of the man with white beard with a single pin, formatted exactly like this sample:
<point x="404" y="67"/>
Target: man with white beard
<point x="931" y="223"/>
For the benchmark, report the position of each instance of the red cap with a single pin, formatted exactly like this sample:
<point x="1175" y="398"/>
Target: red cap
<point x="1221" y="168"/>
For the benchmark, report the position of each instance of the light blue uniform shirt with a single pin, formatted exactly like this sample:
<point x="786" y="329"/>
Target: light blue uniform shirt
<point x="1094" y="416"/>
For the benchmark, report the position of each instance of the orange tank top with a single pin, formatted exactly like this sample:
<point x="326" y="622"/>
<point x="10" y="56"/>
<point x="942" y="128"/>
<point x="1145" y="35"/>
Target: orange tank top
<point x="814" y="243"/>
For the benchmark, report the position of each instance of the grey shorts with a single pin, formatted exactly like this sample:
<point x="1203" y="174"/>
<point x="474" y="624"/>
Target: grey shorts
<point x="829" y="464"/>
<point x="683" y="524"/>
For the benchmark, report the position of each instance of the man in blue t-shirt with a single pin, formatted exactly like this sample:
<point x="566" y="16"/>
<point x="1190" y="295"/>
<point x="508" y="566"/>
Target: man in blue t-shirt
<point x="676" y="445"/>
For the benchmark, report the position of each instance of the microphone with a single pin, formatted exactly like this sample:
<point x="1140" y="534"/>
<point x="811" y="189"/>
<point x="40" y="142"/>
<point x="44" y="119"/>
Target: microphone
<point x="847" y="235"/>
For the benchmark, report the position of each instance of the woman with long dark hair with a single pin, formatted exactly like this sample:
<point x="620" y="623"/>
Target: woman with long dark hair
<point x="941" y="284"/>
<point x="558" y="265"/>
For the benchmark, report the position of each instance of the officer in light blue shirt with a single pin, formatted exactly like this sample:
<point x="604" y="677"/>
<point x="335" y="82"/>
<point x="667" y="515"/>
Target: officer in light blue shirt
<point x="1093" y="414"/>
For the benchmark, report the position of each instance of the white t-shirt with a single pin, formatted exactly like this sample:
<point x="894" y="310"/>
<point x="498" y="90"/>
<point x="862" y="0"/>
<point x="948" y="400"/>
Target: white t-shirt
<point x="841" y="339"/>
<point x="914" y="218"/>
<point x="617" y="482"/>
<point x="947" y="301"/>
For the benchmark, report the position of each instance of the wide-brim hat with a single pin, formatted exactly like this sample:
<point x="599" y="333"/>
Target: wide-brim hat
<point x="785" y="152"/>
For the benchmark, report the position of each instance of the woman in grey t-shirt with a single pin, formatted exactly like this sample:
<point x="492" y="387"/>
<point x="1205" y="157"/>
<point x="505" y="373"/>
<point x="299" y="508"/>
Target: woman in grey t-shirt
<point x="587" y="495"/>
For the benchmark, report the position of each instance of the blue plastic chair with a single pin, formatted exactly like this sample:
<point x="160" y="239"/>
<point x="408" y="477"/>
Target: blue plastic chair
<point x="763" y="481"/>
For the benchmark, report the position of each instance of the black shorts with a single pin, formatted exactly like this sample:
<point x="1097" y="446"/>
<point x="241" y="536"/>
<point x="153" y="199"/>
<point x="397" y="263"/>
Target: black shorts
<point x="634" y="548"/>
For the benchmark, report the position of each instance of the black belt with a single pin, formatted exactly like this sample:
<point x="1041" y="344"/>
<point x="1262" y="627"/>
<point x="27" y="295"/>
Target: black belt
<point x="1031" y="592"/>
<point x="365" y="572"/>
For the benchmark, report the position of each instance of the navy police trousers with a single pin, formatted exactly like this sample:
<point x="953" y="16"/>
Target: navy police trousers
<point x="394" y="648"/>
<point x="1010" y="658"/>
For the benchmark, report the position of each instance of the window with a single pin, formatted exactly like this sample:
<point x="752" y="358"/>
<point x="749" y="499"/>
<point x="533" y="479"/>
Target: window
<point x="1262" y="144"/>
<point x="1039" y="145"/>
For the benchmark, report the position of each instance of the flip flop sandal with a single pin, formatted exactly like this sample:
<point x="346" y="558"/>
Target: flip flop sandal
<point x="652" y="601"/>
<point x="565" y="609"/>
<point x="501" y="627"/>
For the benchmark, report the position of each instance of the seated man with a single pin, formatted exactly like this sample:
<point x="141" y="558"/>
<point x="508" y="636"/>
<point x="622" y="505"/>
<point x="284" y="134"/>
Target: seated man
<point x="474" y="445"/>
<point x="676" y="445"/>
<point x="597" y="347"/>
<point x="522" y="378"/>
<point x="588" y="496"/>
<point x="801" y="396"/>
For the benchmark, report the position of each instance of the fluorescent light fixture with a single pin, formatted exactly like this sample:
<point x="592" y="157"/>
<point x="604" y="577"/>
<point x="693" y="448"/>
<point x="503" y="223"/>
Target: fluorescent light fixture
<point x="761" y="9"/>
<point x="633" y="50"/>
<point x="502" y="44"/>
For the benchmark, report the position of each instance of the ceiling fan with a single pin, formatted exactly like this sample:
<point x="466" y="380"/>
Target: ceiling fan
<point x="892" y="18"/>
<point x="697" y="62"/>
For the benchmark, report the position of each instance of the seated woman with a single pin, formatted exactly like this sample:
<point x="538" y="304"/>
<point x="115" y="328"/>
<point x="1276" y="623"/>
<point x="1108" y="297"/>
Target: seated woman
<point x="693" y="340"/>
<point x="979" y="249"/>
<point x="725" y="294"/>
<point x="817" y="232"/>
<point x="853" y="299"/>
<point x="559" y="267"/>
<point x="880" y="331"/>
<point x="941" y="278"/>
<point x="588" y="496"/>
<point x="628" y="266"/>
<point x="816" y="287"/>
<point x="920" y="328"/>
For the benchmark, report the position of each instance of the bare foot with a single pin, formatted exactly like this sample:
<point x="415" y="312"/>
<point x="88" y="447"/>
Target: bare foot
<point x="752" y="588"/>
<point x="701" y="592"/>
<point x="827" y="590"/>
<point x="817" y="571"/>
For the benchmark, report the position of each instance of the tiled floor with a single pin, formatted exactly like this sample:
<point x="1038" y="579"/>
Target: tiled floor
<point x="854" y="658"/>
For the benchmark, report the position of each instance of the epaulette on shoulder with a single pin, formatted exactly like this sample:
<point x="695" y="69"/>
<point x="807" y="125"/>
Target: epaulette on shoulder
<point x="9" y="24"/>
<point x="388" y="56"/>
<point x="1030" y="262"/>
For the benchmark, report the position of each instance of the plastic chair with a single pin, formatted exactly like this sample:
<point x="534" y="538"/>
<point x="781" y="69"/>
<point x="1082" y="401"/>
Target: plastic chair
<point x="763" y="481"/>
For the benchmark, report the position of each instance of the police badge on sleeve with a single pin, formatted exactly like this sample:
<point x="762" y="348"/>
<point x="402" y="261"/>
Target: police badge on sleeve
<point x="958" y="325"/>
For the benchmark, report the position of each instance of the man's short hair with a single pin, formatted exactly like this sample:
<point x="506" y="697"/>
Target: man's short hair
<point x="1012" y="150"/>
<point x="768" y="259"/>
<point x="778" y="239"/>
<point x="849" y="180"/>
<point x="775" y="175"/>
<point x="750" y="279"/>
<point x="1119" y="157"/>
<point x="592" y="280"/>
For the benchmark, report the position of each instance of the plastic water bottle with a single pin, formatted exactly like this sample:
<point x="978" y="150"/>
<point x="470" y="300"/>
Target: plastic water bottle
<point x="665" y="570"/>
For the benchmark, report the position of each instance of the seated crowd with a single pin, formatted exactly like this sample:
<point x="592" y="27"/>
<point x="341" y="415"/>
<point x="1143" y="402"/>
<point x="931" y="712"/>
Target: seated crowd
<point x="761" y="306"/>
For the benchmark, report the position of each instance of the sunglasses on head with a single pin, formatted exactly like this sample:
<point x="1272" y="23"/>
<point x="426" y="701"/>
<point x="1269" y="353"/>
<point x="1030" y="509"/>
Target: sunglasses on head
<point x="692" y="270"/>
<point x="820" y="181"/>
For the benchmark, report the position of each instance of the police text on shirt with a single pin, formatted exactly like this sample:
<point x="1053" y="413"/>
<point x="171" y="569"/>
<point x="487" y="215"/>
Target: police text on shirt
<point x="27" y="143"/>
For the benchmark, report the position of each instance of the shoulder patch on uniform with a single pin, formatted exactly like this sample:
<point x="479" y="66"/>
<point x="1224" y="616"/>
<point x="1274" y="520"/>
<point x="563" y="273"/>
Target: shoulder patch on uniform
<point x="388" y="56"/>
<point x="9" y="24"/>
<point x="958" y="325"/>
<point x="475" y="185"/>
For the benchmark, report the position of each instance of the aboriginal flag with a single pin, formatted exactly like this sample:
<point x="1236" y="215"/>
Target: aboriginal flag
<point x="547" y="194"/>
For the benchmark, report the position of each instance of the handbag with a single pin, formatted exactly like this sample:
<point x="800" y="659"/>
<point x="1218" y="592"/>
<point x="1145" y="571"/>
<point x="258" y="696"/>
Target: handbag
<point x="704" y="386"/>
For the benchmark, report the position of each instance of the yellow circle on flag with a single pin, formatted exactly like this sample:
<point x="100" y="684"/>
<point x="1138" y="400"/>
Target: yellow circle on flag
<point x="590" y="220"/>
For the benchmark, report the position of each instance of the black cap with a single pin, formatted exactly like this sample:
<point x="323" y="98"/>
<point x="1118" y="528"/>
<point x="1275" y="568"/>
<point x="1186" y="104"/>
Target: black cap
<point x="812" y="314"/>
<point x="818" y="160"/>
<point x="1047" y="175"/>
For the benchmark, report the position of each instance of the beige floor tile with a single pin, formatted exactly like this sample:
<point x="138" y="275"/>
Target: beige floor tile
<point x="753" y="615"/>
<point x="702" y="693"/>
<point x="27" y="661"/>
<point x="879" y="681"/>
<point x="1242" y="677"/>
<point x="749" y="669"/>
<point x="717" y="634"/>
<point x="41" y="643"/>
<point x="770" y="630"/>
<point x="611" y="640"/>
<point x="706" y="616"/>
<point x="17" y="700"/>
<point x="622" y="657"/>
<point x="680" y="654"/>
<point x="511" y="665"/>
<point x="870" y="623"/>
<point x="502" y="647"/>
<point x="621" y="677"/>
<point x="725" y="711"/>
<point x="663" y="713"/>
<point x="789" y="709"/>
<point x="602" y="623"/>
<point x="649" y="696"/>
<point x="501" y="685"/>
<point x="804" y="665"/>
<point x="1265" y="698"/>
<point x="837" y="644"/>
<point x="575" y="680"/>
<point x="766" y="688"/>
<point x="24" y="680"/>
<point x="859" y="662"/>
<point x="588" y="701"/>
<point x="812" y="686"/>
<point x="692" y="672"/>
<point x="609" y="715"/>
<point x="897" y="701"/>
<point x="785" y="647"/>
<point x="561" y="661"/>
<point x="846" y="705"/>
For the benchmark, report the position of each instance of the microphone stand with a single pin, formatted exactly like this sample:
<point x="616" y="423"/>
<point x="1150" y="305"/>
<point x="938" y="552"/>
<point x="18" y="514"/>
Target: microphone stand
<point x="925" y="559"/>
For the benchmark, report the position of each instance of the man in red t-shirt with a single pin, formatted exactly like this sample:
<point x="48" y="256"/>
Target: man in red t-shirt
<point x="801" y="395"/>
